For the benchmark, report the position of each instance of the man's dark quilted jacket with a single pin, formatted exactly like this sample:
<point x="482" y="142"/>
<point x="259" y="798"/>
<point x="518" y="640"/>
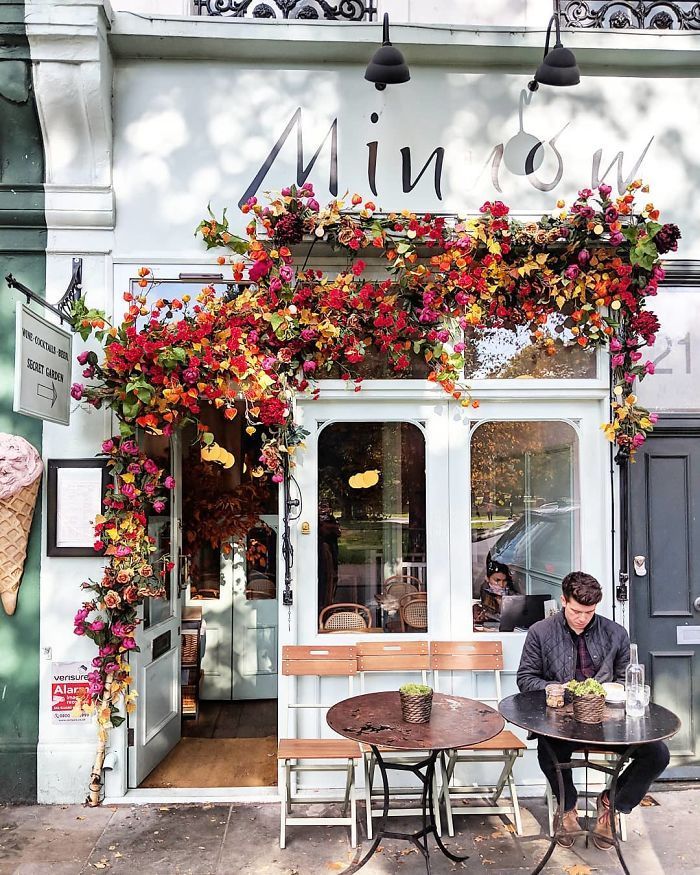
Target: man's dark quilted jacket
<point x="549" y="653"/>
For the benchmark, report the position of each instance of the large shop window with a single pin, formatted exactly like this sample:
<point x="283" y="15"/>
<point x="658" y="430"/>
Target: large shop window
<point x="371" y="528"/>
<point x="524" y="520"/>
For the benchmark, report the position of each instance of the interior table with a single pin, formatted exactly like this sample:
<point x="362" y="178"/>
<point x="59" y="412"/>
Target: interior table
<point x="624" y="734"/>
<point x="375" y="719"/>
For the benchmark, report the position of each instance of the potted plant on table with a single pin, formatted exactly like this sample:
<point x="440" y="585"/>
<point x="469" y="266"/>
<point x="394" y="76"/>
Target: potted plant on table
<point x="416" y="702"/>
<point x="589" y="700"/>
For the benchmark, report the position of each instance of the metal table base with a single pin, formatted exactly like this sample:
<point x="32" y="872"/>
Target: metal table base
<point x="615" y="772"/>
<point x="425" y="771"/>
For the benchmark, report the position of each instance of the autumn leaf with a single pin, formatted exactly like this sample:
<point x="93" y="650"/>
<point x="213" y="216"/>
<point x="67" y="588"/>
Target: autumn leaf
<point x="578" y="869"/>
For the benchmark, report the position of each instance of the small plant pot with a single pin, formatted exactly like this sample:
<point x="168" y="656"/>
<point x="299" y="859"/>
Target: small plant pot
<point x="416" y="709"/>
<point x="589" y="709"/>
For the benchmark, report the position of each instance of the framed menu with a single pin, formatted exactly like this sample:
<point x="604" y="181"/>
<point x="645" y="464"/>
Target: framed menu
<point x="75" y="490"/>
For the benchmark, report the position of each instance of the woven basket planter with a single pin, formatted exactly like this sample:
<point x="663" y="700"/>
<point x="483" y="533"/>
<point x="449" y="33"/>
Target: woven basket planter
<point x="589" y="709"/>
<point x="416" y="709"/>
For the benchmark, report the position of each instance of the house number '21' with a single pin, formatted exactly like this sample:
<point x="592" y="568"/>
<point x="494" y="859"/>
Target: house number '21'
<point x="684" y="341"/>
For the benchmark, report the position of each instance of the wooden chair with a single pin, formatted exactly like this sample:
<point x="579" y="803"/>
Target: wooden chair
<point x="601" y="761"/>
<point x="345" y="617"/>
<point x="296" y="755"/>
<point x="397" y="658"/>
<point x="478" y="658"/>
<point x="413" y="610"/>
<point x="401" y="584"/>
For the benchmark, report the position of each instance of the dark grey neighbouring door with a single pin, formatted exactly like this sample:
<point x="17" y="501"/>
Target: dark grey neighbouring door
<point x="664" y="501"/>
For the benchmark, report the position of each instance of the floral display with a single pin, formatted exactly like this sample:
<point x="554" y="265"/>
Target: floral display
<point x="593" y="267"/>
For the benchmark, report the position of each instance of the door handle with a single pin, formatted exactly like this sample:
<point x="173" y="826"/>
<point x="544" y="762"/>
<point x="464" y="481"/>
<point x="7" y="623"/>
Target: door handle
<point x="696" y="604"/>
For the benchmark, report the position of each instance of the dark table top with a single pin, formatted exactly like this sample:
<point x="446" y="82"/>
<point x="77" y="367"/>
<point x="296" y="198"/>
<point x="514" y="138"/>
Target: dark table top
<point x="529" y="711"/>
<point x="375" y="718"/>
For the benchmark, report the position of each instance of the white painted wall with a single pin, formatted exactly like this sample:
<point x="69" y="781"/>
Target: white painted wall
<point x="189" y="134"/>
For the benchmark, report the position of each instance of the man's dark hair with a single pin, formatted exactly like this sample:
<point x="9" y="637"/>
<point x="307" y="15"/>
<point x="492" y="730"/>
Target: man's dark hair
<point x="581" y="587"/>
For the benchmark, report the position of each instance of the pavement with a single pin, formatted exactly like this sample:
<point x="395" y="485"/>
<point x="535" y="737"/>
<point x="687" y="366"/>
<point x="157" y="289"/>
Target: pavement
<point x="220" y="839"/>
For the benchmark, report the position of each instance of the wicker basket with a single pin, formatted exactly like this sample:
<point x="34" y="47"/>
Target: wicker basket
<point x="589" y="709"/>
<point x="416" y="709"/>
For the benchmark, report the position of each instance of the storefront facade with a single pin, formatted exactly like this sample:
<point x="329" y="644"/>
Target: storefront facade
<point x="167" y="114"/>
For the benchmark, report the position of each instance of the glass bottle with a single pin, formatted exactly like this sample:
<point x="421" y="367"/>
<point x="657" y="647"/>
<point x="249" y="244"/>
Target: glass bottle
<point x="634" y="685"/>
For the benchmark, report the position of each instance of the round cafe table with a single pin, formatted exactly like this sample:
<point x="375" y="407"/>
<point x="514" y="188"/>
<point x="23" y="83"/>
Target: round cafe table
<point x="625" y="734"/>
<point x="375" y="719"/>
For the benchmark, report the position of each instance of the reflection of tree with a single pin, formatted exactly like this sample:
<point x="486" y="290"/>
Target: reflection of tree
<point x="346" y="449"/>
<point x="502" y="450"/>
<point x="489" y="353"/>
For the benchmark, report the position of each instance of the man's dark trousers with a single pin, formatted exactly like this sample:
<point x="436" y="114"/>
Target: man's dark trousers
<point x="647" y="762"/>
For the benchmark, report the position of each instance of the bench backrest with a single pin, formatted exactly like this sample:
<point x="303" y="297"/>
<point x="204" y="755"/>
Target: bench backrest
<point x="468" y="656"/>
<point x="315" y="662"/>
<point x="395" y="656"/>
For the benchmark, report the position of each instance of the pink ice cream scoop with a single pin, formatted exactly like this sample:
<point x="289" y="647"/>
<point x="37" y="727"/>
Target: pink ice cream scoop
<point x="20" y="464"/>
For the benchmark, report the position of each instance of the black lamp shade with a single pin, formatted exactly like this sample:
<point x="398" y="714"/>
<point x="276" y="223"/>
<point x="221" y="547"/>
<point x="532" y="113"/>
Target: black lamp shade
<point x="558" y="67"/>
<point x="388" y="66"/>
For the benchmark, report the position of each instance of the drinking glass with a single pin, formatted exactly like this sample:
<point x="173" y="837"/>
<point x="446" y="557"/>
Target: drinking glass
<point x="647" y="695"/>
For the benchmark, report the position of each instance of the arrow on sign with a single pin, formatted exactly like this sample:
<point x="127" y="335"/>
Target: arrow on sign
<point x="51" y="390"/>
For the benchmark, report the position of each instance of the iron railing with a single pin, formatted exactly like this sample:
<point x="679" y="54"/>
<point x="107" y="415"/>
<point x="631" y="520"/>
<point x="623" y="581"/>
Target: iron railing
<point x="304" y="10"/>
<point x="630" y="14"/>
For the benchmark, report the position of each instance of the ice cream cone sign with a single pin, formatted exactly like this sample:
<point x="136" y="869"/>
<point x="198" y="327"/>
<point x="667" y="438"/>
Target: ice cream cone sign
<point x="20" y="477"/>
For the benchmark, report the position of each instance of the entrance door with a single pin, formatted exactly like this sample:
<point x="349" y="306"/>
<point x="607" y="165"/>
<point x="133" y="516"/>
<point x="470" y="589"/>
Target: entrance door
<point x="240" y="612"/>
<point x="154" y="728"/>
<point x="665" y="582"/>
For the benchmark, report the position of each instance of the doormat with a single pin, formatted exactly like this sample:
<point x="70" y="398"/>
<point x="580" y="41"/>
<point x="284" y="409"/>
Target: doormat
<point x="218" y="762"/>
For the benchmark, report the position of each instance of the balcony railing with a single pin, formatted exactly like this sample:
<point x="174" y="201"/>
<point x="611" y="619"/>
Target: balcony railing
<point x="630" y="14"/>
<point x="304" y="10"/>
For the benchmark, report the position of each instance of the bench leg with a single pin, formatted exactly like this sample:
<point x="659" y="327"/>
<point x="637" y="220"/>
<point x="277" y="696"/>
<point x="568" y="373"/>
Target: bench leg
<point x="445" y="794"/>
<point x="516" y="804"/>
<point x="283" y="785"/>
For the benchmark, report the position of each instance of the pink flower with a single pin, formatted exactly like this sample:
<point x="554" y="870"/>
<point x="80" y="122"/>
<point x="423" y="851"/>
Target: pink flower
<point x="76" y="391"/>
<point x="572" y="271"/>
<point x="616" y="238"/>
<point x="604" y="190"/>
<point x="158" y="506"/>
<point x="96" y="625"/>
<point x="133" y="468"/>
<point x="654" y="417"/>
<point x="615" y="345"/>
<point x="277" y="478"/>
<point x="111" y="667"/>
<point x="309" y="367"/>
<point x="635" y="355"/>
<point x="169" y="482"/>
<point x="638" y="439"/>
<point x="150" y="466"/>
<point x="617" y="361"/>
<point x="313" y="204"/>
<point x="649" y="367"/>
<point x="128" y="643"/>
<point x="83" y="357"/>
<point x="123" y="551"/>
<point x="286" y="273"/>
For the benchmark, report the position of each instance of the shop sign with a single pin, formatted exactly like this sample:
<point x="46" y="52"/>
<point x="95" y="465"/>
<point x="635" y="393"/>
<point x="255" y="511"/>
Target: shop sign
<point x="43" y="358"/>
<point x="68" y="679"/>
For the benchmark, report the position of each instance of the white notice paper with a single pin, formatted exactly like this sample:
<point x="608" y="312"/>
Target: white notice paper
<point x="79" y="501"/>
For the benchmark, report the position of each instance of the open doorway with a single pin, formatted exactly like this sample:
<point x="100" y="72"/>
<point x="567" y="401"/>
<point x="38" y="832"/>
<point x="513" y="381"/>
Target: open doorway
<point x="229" y="616"/>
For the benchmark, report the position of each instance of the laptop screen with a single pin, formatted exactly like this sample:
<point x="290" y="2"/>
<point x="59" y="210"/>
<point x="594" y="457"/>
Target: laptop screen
<point x="521" y="611"/>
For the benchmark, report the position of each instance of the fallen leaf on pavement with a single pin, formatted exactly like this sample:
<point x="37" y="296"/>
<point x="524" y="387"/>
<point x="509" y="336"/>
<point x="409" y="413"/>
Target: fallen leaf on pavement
<point x="578" y="869"/>
<point x="648" y="801"/>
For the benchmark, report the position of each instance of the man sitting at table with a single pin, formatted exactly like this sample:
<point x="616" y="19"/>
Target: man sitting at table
<point x="577" y="643"/>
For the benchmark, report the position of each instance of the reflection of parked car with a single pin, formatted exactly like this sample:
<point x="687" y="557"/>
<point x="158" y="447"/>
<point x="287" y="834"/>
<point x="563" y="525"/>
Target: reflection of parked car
<point x="539" y="547"/>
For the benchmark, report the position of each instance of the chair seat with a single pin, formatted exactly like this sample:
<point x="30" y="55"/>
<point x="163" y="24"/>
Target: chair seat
<point x="317" y="749"/>
<point x="503" y="741"/>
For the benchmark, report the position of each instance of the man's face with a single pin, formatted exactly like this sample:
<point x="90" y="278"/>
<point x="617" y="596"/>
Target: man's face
<point x="578" y="616"/>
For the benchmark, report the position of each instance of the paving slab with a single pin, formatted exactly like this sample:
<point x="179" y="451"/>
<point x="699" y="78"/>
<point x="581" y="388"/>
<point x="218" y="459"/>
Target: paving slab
<point x="177" y="839"/>
<point x="48" y="835"/>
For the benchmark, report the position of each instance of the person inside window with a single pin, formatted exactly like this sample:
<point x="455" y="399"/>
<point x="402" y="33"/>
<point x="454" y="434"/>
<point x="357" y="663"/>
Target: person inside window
<point x="499" y="582"/>
<point x="577" y="643"/>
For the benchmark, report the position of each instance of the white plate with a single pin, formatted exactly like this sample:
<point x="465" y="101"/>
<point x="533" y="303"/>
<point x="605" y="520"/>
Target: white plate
<point x="614" y="694"/>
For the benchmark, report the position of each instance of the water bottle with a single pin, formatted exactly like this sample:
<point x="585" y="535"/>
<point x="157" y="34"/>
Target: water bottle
<point x="634" y="685"/>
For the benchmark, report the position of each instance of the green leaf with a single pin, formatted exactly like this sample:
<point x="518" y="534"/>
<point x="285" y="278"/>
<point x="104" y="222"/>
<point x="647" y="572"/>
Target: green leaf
<point x="207" y="438"/>
<point x="117" y="721"/>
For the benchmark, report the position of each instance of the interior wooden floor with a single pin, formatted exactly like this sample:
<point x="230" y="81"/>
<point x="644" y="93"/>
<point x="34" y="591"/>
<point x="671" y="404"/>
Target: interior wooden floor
<point x="230" y="744"/>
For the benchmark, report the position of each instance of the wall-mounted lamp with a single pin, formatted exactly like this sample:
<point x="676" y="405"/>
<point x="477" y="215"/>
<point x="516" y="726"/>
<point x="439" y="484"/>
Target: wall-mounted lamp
<point x="388" y="66"/>
<point x="558" y="66"/>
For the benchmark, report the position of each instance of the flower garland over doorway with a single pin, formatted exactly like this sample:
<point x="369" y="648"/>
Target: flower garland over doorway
<point x="587" y="271"/>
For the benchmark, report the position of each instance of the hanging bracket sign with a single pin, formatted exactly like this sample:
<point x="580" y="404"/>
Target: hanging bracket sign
<point x="43" y="362"/>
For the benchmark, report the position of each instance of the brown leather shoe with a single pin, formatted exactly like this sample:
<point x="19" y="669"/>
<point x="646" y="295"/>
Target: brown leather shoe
<point x="569" y="824"/>
<point x="602" y="832"/>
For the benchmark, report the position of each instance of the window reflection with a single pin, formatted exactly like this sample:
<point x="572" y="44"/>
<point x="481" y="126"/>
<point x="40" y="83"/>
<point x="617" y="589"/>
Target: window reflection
<point x="524" y="520"/>
<point x="507" y="353"/>
<point x="371" y="527"/>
